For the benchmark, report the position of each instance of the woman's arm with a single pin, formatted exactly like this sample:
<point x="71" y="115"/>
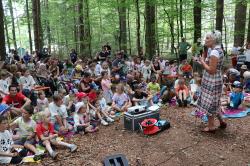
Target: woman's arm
<point x="211" y="67"/>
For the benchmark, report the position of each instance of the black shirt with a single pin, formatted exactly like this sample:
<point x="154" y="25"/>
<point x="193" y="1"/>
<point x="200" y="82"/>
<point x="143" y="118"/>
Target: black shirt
<point x="140" y="95"/>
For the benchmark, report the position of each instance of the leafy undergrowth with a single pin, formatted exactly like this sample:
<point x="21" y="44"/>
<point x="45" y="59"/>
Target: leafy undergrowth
<point x="182" y="144"/>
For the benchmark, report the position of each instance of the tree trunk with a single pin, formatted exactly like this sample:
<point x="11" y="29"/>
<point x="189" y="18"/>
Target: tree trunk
<point x="138" y="27"/>
<point x="47" y="26"/>
<point x="197" y="20"/>
<point x="219" y="14"/>
<point x="76" y="28"/>
<point x="87" y="33"/>
<point x="2" y="37"/>
<point x="7" y="33"/>
<point x="157" y="33"/>
<point x="100" y="21"/>
<point x="123" y="24"/>
<point x="81" y="28"/>
<point x="129" y="33"/>
<point x="150" y="41"/>
<point x="38" y="36"/>
<point x="181" y="18"/>
<point x="29" y="27"/>
<point x="177" y="21"/>
<point x="13" y="23"/>
<point x="248" y="29"/>
<point x="240" y="22"/>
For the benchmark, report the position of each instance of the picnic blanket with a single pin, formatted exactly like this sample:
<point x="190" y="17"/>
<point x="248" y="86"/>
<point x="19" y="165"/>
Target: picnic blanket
<point x="236" y="113"/>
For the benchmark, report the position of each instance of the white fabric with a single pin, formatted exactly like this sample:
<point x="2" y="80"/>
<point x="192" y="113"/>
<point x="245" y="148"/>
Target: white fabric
<point x="57" y="111"/>
<point x="25" y="128"/>
<point x="98" y="69"/>
<point x="27" y="82"/>
<point x="247" y="54"/>
<point x="4" y="85"/>
<point x="78" y="119"/>
<point x="5" y="146"/>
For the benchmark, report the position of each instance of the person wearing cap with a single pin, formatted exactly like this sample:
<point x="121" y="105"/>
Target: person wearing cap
<point x="82" y="119"/>
<point x="182" y="48"/>
<point x="236" y="96"/>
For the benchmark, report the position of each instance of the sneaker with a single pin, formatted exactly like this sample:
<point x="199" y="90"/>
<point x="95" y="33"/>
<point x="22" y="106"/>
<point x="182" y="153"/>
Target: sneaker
<point x="54" y="155"/>
<point x="38" y="156"/>
<point x="104" y="123"/>
<point x="110" y="119"/>
<point x="179" y="102"/>
<point x="73" y="148"/>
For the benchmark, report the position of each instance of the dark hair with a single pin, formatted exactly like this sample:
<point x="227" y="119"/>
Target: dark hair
<point x="3" y="118"/>
<point x="11" y="86"/>
<point x="86" y="74"/>
<point x="29" y="109"/>
<point x="103" y="73"/>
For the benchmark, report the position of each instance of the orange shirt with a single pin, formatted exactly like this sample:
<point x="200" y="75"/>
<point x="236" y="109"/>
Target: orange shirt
<point x="178" y="88"/>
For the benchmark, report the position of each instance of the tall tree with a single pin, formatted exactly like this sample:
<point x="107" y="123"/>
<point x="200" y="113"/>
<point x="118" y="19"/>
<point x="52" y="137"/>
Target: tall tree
<point x="181" y="18"/>
<point x="150" y="35"/>
<point x="138" y="27"/>
<point x="7" y="32"/>
<point x="81" y="28"/>
<point x="13" y="23"/>
<point x="248" y="29"/>
<point x="87" y="34"/>
<point x="38" y="35"/>
<point x="129" y="32"/>
<point x="123" y="24"/>
<point x="47" y="24"/>
<point x="28" y="22"/>
<point x="219" y="14"/>
<point x="2" y="37"/>
<point x="197" y="19"/>
<point x="240" y="22"/>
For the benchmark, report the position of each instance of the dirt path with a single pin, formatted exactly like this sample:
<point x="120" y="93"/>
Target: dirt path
<point x="182" y="144"/>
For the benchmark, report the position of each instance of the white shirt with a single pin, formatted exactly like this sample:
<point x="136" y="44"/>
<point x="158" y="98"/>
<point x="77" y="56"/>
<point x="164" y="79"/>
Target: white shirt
<point x="247" y="54"/>
<point x="25" y="128"/>
<point x="98" y="69"/>
<point x="4" y="85"/>
<point x="27" y="82"/>
<point x="55" y="110"/>
<point x="5" y="146"/>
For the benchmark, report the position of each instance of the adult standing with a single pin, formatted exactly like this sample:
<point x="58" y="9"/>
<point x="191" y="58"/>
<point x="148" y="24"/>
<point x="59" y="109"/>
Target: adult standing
<point x="183" y="47"/>
<point x="73" y="56"/>
<point x="197" y="49"/>
<point x="212" y="81"/>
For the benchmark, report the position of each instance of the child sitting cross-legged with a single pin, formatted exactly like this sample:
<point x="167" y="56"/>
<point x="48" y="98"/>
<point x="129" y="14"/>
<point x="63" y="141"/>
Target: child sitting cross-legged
<point x="141" y="98"/>
<point x="121" y="101"/>
<point x="42" y="101"/>
<point x="154" y="89"/>
<point x="82" y="119"/>
<point x="47" y="137"/>
<point x="25" y="127"/>
<point x="182" y="93"/>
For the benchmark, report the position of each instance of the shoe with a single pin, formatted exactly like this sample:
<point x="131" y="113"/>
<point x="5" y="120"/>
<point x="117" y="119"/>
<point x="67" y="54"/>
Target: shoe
<point x="104" y="123"/>
<point x="223" y="125"/>
<point x="38" y="156"/>
<point x="73" y="148"/>
<point x="54" y="155"/>
<point x="110" y="119"/>
<point x="185" y="103"/>
<point x="179" y="103"/>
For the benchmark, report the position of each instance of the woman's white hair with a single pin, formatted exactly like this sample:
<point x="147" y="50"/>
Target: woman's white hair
<point x="216" y="35"/>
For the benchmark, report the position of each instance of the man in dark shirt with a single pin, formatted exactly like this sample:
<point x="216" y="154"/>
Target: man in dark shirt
<point x="140" y="97"/>
<point x="73" y="56"/>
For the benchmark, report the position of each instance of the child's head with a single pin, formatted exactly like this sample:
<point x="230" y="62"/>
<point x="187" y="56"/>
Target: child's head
<point x="3" y="123"/>
<point x="62" y="92"/>
<point x="58" y="100"/>
<point x="81" y="108"/>
<point x="138" y="88"/>
<point x="27" y="112"/>
<point x="105" y="65"/>
<point x="153" y="79"/>
<point x="104" y="74"/>
<point x="181" y="82"/>
<point x="45" y="117"/>
<point x="41" y="95"/>
<point x="26" y="72"/>
<point x="167" y="63"/>
<point x="147" y="62"/>
<point x="120" y="88"/>
<point x="237" y="86"/>
<point x="4" y="75"/>
<point x="196" y="74"/>
<point x="80" y="96"/>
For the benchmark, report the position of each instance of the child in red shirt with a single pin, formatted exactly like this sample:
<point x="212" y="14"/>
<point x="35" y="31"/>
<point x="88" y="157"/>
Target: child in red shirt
<point x="187" y="69"/>
<point x="182" y="93"/>
<point x="46" y="135"/>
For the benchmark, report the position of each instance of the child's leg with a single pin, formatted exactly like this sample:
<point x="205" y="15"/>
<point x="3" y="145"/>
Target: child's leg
<point x="47" y="144"/>
<point x="116" y="108"/>
<point x="60" y="143"/>
<point x="180" y="95"/>
<point x="30" y="147"/>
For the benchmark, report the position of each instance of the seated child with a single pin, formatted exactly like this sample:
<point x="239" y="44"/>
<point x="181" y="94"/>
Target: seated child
<point x="195" y="90"/>
<point x="121" y="101"/>
<point x="59" y="114"/>
<point x="8" y="154"/>
<point x="154" y="89"/>
<point x="46" y="135"/>
<point x="237" y="96"/>
<point x="186" y="69"/>
<point x="104" y="108"/>
<point x="182" y="93"/>
<point x="141" y="98"/>
<point x="106" y="87"/>
<point x="82" y="119"/>
<point x="25" y="131"/>
<point x="42" y="102"/>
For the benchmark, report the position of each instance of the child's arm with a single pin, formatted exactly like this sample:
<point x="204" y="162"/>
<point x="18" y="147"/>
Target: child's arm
<point x="17" y="146"/>
<point x="7" y="154"/>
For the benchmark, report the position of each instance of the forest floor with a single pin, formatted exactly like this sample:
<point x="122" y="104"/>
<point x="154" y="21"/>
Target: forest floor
<point x="183" y="144"/>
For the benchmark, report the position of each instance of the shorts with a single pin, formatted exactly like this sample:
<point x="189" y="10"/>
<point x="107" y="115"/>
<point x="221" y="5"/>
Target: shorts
<point x="23" y="141"/>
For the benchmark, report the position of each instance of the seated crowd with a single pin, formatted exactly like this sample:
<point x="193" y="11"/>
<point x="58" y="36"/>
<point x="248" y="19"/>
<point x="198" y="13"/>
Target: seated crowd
<point x="80" y="94"/>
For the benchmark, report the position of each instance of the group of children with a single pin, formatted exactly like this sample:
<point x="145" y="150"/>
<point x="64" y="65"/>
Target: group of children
<point x="92" y="92"/>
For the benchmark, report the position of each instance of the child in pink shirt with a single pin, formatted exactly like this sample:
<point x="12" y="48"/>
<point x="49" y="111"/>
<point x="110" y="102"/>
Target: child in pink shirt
<point x="106" y="87"/>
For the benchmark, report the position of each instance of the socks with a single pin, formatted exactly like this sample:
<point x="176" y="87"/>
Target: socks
<point x="64" y="144"/>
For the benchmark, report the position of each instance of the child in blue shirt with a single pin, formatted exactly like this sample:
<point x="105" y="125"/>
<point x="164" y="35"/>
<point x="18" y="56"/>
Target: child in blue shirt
<point x="237" y="96"/>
